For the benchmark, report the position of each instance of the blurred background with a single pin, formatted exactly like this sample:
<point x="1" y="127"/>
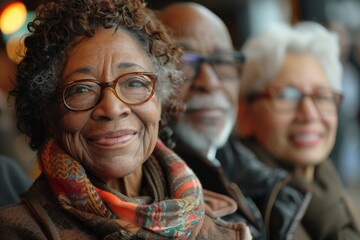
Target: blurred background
<point x="244" y="18"/>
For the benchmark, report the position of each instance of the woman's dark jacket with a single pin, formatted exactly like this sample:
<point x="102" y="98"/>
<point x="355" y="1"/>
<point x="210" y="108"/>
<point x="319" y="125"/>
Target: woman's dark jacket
<point x="279" y="203"/>
<point x="331" y="213"/>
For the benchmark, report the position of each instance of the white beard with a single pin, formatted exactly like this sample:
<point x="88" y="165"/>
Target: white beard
<point x="203" y="141"/>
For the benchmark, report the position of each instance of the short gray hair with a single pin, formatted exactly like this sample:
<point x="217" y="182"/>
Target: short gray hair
<point x="266" y="52"/>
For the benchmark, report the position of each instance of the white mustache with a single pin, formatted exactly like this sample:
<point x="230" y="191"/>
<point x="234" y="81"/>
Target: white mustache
<point x="208" y="102"/>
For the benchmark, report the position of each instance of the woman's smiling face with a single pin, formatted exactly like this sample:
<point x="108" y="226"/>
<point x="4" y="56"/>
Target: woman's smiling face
<point x="304" y="136"/>
<point x="113" y="139"/>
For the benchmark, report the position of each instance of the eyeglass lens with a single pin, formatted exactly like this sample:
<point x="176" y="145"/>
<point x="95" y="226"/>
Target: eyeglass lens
<point x="224" y="64"/>
<point x="289" y="98"/>
<point x="86" y="94"/>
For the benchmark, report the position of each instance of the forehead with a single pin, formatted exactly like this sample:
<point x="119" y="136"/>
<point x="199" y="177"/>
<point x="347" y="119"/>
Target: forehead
<point x="104" y="52"/>
<point x="198" y="29"/>
<point x="105" y="41"/>
<point x="302" y="70"/>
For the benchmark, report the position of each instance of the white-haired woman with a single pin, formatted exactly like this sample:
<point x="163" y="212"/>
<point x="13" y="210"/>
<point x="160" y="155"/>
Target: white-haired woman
<point x="290" y="92"/>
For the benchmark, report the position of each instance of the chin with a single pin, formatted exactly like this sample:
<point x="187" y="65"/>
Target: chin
<point x="307" y="159"/>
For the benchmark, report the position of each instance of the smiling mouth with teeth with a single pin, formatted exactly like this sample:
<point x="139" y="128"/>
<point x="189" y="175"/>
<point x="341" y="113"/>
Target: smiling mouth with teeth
<point x="306" y="137"/>
<point x="305" y="140"/>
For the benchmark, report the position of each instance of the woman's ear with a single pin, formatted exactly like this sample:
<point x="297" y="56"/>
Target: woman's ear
<point x="244" y="123"/>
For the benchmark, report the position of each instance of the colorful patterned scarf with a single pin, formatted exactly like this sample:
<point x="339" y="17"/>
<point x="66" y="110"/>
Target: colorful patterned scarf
<point x="176" y="217"/>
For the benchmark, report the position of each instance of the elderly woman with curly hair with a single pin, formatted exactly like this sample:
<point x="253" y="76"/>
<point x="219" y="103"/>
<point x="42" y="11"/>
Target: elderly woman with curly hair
<point x="95" y="87"/>
<point x="290" y="95"/>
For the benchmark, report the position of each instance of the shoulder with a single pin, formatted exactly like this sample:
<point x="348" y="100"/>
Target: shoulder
<point x="327" y="179"/>
<point x="331" y="206"/>
<point x="17" y="222"/>
<point x="24" y="221"/>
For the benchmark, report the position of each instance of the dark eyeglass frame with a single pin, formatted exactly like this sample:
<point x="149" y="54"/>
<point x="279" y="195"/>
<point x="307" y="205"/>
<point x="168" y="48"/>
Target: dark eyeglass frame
<point x="152" y="76"/>
<point x="272" y="92"/>
<point x="210" y="59"/>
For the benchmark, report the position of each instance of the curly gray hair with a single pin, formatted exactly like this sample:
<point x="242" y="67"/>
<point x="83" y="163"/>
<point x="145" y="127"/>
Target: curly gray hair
<point x="54" y="30"/>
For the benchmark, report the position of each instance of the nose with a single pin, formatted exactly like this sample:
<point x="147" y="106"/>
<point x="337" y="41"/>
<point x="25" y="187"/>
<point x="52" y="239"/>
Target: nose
<point x="207" y="79"/>
<point x="110" y="107"/>
<point x="307" y="110"/>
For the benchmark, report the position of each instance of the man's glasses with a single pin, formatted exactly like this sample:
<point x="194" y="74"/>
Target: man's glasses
<point x="287" y="99"/>
<point x="225" y="64"/>
<point x="133" y="88"/>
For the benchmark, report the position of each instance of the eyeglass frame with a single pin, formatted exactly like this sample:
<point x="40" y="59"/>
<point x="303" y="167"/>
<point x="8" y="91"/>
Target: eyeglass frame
<point x="269" y="94"/>
<point x="209" y="59"/>
<point x="112" y="84"/>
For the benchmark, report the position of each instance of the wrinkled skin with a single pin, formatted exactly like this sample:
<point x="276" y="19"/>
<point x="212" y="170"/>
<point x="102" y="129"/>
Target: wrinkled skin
<point x="211" y="103"/>
<point x="113" y="139"/>
<point x="302" y="138"/>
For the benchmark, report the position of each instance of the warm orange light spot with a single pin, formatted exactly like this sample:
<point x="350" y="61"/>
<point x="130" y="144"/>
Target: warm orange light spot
<point x="15" y="48"/>
<point x="13" y="17"/>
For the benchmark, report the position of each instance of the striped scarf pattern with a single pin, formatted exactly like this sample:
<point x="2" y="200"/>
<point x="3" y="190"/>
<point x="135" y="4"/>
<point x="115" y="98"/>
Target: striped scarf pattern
<point x="175" y="217"/>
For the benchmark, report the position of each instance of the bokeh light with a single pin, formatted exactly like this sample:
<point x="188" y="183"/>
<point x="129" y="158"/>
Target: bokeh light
<point x="15" y="48"/>
<point x="13" y="17"/>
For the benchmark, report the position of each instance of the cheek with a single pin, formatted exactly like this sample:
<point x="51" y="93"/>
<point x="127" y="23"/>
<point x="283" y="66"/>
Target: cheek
<point x="232" y="91"/>
<point x="68" y="132"/>
<point x="184" y="89"/>
<point x="331" y="124"/>
<point x="150" y="112"/>
<point x="70" y="123"/>
<point x="269" y="128"/>
<point x="150" y="115"/>
<point x="73" y="122"/>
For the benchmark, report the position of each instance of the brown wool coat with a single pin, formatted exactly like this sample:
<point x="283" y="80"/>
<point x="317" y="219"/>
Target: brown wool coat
<point x="20" y="221"/>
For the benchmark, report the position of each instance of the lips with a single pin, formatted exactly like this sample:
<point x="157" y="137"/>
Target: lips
<point x="113" y="138"/>
<point x="306" y="139"/>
